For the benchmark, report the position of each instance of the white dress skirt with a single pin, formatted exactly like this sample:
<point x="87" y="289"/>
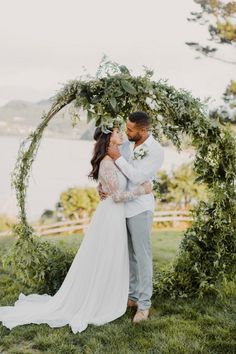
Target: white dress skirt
<point x="95" y="289"/>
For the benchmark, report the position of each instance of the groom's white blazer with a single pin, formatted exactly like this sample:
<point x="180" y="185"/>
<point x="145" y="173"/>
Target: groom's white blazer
<point x="140" y="170"/>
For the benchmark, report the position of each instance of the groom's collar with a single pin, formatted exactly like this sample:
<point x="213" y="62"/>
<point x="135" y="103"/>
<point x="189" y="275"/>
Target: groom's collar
<point x="148" y="141"/>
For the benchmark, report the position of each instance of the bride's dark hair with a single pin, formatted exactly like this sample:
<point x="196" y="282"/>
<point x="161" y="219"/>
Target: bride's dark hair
<point x="100" y="150"/>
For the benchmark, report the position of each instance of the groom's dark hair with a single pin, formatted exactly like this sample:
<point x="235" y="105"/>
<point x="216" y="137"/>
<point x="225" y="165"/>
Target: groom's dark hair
<point x="141" y="119"/>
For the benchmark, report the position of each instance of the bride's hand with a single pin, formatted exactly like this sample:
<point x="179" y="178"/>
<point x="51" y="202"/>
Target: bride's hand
<point x="147" y="187"/>
<point x="101" y="193"/>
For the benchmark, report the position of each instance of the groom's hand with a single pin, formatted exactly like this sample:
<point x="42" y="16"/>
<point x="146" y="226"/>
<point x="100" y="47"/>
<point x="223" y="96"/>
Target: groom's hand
<point x="113" y="152"/>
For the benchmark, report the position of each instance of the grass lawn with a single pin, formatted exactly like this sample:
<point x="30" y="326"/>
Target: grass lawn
<point x="175" y="326"/>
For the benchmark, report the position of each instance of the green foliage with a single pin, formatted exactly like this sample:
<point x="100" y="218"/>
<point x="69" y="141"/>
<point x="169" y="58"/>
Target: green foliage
<point x="79" y="202"/>
<point x="227" y="113"/>
<point x="206" y="256"/>
<point x="207" y="253"/>
<point x="40" y="265"/>
<point x="230" y="94"/>
<point x="180" y="188"/>
<point x="49" y="216"/>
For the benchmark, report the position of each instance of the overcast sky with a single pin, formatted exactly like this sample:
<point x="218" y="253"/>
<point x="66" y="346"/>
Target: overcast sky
<point x="48" y="42"/>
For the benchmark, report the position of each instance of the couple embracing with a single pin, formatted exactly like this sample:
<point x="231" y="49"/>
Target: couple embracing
<point x="113" y="266"/>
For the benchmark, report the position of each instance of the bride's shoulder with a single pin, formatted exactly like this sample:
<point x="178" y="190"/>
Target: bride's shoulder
<point x="107" y="158"/>
<point x="106" y="165"/>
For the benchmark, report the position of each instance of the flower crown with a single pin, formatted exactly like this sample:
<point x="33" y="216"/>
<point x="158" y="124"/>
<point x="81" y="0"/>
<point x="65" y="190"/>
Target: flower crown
<point x="107" y="127"/>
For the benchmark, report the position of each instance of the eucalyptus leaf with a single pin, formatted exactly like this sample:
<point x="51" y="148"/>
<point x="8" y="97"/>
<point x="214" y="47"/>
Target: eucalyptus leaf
<point x="113" y="102"/>
<point x="128" y="87"/>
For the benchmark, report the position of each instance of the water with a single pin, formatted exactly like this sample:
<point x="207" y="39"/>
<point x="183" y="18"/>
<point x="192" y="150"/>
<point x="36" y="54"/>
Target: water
<point x="59" y="164"/>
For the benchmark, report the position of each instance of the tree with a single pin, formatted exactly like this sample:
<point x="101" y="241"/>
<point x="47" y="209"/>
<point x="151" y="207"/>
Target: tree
<point x="48" y="216"/>
<point x="220" y="18"/>
<point x="79" y="202"/>
<point x="180" y="188"/>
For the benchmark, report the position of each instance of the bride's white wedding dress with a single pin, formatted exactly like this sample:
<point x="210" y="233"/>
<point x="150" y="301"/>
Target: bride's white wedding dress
<point x="95" y="289"/>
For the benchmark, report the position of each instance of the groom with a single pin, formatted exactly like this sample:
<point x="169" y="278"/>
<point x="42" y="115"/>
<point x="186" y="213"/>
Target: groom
<point x="139" y="158"/>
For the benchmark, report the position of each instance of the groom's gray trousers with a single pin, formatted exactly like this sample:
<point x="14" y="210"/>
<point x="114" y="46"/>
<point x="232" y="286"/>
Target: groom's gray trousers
<point x="140" y="258"/>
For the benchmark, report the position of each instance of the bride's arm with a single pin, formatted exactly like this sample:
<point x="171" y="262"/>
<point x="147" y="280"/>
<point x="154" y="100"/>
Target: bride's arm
<point x="102" y="194"/>
<point x="108" y="175"/>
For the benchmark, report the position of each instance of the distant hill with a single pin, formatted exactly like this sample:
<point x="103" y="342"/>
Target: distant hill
<point x="20" y="117"/>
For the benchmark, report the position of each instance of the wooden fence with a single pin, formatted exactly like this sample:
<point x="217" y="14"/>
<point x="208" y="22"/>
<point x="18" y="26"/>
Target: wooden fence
<point x="172" y="216"/>
<point x="69" y="226"/>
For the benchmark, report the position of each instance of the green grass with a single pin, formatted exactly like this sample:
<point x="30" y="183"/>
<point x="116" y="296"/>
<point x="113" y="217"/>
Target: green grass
<point x="175" y="326"/>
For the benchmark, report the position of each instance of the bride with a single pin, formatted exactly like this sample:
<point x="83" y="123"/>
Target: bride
<point x="95" y="289"/>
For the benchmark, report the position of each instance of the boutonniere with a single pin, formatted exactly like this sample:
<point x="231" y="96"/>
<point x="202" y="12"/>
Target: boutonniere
<point x="140" y="154"/>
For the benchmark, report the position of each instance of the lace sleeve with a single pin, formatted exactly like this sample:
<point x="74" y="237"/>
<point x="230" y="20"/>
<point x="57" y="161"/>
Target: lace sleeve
<point x="110" y="181"/>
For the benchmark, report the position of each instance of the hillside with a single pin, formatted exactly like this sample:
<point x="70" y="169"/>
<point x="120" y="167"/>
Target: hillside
<point x="19" y="118"/>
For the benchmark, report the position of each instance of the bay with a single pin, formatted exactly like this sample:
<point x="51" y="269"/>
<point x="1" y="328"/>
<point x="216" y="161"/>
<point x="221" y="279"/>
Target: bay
<point x="59" y="164"/>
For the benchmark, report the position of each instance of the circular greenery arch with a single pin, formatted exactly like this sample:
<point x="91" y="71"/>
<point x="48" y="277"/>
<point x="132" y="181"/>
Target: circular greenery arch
<point x="206" y="257"/>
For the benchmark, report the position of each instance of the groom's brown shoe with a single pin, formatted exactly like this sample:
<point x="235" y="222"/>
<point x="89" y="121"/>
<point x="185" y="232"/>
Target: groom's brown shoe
<point x="141" y="315"/>
<point x="132" y="303"/>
